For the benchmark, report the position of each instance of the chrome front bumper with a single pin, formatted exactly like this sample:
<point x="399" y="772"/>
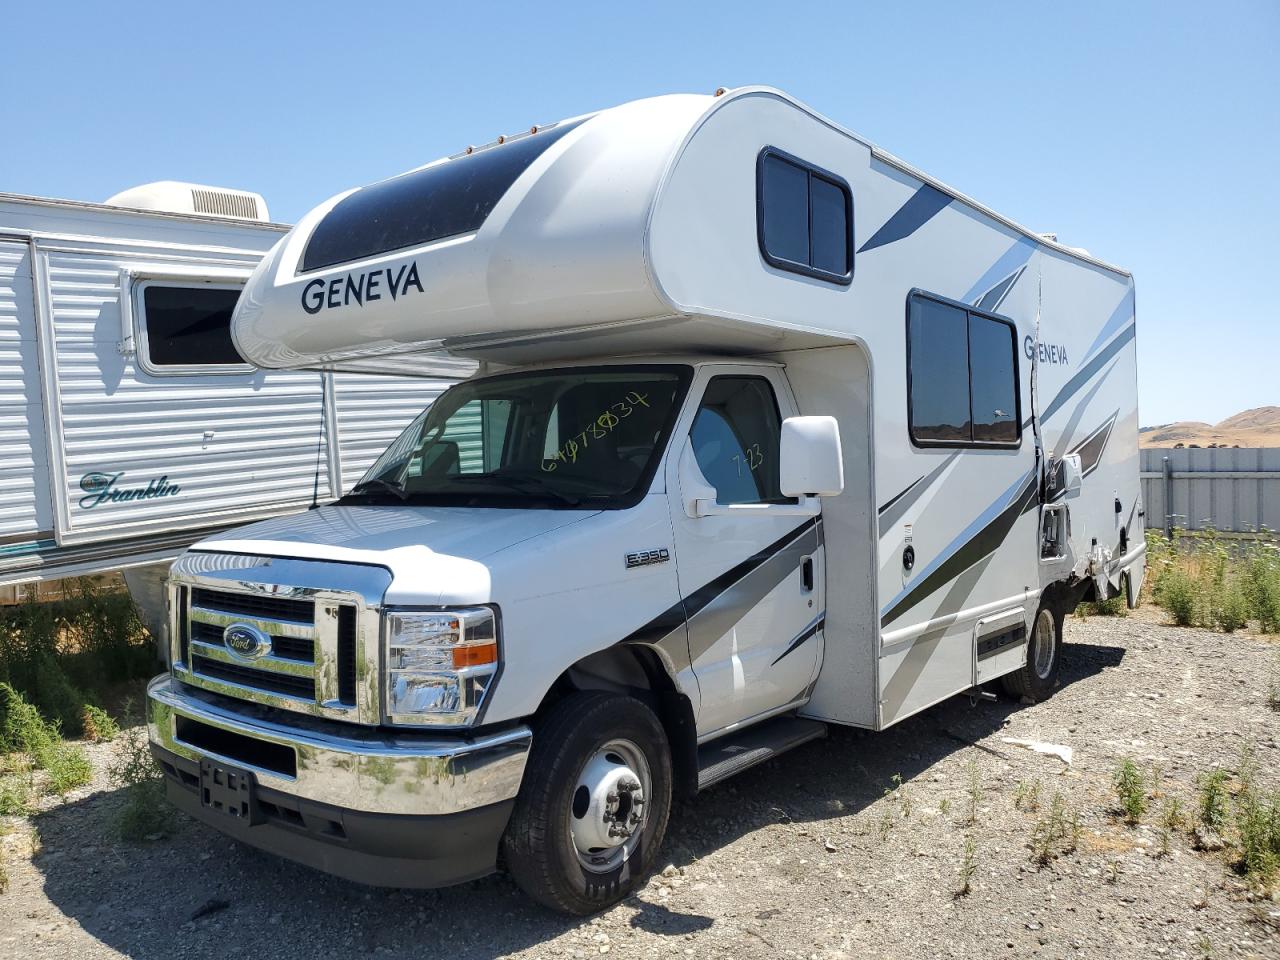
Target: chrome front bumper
<point x="370" y="770"/>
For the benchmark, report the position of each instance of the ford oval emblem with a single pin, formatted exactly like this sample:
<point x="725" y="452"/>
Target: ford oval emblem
<point x="246" y="641"/>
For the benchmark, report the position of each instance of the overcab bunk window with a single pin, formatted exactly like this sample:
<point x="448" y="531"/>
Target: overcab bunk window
<point x="441" y="200"/>
<point x="186" y="328"/>
<point x="804" y="218"/>
<point x="962" y="376"/>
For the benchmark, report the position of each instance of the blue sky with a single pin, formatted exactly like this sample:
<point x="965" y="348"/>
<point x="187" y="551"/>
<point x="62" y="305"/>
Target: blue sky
<point x="1148" y="132"/>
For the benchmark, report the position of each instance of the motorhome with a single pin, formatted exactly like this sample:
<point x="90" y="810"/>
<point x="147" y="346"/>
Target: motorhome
<point x="129" y="425"/>
<point x="769" y="431"/>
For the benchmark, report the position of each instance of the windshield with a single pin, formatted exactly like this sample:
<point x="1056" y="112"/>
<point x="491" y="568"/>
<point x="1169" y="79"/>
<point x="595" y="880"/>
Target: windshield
<point x="581" y="437"/>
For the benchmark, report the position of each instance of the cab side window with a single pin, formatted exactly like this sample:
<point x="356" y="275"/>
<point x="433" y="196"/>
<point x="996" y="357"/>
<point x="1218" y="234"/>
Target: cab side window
<point x="735" y="438"/>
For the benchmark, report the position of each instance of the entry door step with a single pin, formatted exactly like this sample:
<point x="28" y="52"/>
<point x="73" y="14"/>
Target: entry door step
<point x="735" y="752"/>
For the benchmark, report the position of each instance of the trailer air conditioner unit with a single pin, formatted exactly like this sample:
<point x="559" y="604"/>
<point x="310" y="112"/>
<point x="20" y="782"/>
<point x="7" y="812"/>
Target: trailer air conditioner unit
<point x="174" y="196"/>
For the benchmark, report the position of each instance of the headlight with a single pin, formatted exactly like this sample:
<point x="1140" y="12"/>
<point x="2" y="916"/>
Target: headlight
<point x="440" y="664"/>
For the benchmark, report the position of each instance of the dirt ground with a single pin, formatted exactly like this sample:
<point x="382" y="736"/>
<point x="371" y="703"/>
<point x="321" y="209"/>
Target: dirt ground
<point x="806" y="857"/>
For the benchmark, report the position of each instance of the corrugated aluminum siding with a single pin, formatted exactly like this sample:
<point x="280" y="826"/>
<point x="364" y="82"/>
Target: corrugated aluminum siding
<point x="233" y="444"/>
<point x="25" y="506"/>
<point x="1230" y="489"/>
<point x="372" y="410"/>
<point x="466" y="429"/>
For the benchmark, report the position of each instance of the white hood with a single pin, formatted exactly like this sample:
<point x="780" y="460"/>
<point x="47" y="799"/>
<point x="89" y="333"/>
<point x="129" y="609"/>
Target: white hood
<point x="435" y="554"/>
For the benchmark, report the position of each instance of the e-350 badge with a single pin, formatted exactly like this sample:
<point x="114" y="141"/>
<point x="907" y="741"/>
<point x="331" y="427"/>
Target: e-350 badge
<point x="642" y="558"/>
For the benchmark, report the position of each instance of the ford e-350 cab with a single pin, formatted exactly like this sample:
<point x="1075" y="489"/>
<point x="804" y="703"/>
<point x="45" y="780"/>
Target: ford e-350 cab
<point x="709" y="489"/>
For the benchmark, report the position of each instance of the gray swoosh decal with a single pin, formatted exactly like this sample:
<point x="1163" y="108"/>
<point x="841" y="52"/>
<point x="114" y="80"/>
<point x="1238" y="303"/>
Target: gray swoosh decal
<point x="1069" y="431"/>
<point x="894" y="510"/>
<point x="1086" y="374"/>
<point x="730" y="605"/>
<point x="811" y="630"/>
<point x="671" y="631"/>
<point x="1013" y="258"/>
<point x="991" y="300"/>
<point x="922" y="649"/>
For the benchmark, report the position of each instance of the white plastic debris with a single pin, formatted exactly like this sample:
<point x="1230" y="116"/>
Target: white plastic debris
<point x="1050" y="749"/>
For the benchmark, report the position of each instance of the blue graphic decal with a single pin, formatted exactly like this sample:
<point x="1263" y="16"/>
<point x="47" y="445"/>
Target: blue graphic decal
<point x="922" y="207"/>
<point x="1119" y="317"/>
<point x="1013" y="258"/>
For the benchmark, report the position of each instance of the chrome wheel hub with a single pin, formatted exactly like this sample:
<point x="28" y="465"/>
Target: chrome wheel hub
<point x="609" y="807"/>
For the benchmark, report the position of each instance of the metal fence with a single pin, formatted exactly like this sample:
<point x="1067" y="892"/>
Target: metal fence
<point x="1232" y="489"/>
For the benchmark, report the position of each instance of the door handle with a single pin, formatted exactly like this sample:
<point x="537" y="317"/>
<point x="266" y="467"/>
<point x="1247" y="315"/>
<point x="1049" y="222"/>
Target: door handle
<point x="806" y="575"/>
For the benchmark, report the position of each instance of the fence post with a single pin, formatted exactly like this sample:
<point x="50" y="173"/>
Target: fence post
<point x="1168" y="499"/>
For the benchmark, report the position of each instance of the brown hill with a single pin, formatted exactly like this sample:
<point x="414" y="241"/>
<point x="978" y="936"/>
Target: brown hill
<point x="1259" y="427"/>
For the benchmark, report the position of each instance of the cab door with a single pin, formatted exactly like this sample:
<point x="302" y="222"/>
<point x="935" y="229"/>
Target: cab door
<point x="752" y="575"/>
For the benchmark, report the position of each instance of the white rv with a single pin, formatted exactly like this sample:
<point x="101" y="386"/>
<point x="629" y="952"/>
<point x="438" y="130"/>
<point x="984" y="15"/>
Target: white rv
<point x="770" y="431"/>
<point x="129" y="424"/>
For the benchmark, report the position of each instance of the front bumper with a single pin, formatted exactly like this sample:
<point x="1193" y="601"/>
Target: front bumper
<point x="391" y="809"/>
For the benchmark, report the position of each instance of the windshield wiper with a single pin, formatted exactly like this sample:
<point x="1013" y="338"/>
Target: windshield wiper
<point x="521" y="484"/>
<point x="395" y="488"/>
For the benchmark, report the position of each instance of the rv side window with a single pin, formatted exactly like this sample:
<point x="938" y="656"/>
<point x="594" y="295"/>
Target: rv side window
<point x="962" y="376"/>
<point x="736" y="435"/>
<point x="187" y="328"/>
<point x="804" y="218"/>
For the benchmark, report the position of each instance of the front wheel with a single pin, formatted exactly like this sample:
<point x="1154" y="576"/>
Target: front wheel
<point x="594" y="804"/>
<point x="1037" y="680"/>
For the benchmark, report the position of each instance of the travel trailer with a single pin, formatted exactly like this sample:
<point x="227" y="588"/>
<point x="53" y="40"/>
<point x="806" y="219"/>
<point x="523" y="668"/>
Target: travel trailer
<point x="130" y="425"/>
<point x="769" y="431"/>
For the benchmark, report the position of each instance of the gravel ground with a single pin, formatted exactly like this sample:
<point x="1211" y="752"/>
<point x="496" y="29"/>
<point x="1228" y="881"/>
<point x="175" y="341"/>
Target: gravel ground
<point x="807" y="856"/>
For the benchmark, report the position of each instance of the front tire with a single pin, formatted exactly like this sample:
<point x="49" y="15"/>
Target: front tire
<point x="594" y="804"/>
<point x="1039" y="678"/>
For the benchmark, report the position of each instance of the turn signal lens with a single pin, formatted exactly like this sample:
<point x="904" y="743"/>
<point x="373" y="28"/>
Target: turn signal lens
<point x="474" y="656"/>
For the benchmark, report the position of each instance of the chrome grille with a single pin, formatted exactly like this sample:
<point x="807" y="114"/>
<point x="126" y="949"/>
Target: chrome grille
<point x="323" y="654"/>
<point x="301" y="688"/>
<point x="290" y="624"/>
<point x="255" y="605"/>
<point x="288" y="648"/>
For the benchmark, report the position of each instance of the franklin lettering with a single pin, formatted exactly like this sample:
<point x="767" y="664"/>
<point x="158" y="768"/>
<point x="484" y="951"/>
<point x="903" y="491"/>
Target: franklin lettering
<point x="360" y="288"/>
<point x="102" y="488"/>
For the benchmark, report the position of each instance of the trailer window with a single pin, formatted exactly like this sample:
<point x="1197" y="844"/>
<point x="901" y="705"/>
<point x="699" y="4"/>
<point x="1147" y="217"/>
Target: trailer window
<point x="804" y="218"/>
<point x="187" y="328"/>
<point x="736" y="435"/>
<point x="962" y="376"/>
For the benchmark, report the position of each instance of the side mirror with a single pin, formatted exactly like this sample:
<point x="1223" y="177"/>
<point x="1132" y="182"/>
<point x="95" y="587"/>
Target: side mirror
<point x="1071" y="474"/>
<point x="812" y="461"/>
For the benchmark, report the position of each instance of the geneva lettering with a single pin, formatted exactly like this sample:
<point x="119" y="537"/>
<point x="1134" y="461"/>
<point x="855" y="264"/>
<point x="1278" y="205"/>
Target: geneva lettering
<point x="360" y="288"/>
<point x="102" y="488"/>
<point x="1047" y="352"/>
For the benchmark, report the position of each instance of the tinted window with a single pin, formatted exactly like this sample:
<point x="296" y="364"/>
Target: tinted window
<point x="785" y="209"/>
<point x="993" y="381"/>
<point x="830" y="228"/>
<point x="805" y="218"/>
<point x="443" y="200"/>
<point x="939" y="373"/>
<point x="189" y="326"/>
<point x="735" y="438"/>
<point x="963" y="375"/>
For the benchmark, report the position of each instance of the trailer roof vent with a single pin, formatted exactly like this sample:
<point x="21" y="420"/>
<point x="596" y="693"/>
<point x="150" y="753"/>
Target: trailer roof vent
<point x="174" y="196"/>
